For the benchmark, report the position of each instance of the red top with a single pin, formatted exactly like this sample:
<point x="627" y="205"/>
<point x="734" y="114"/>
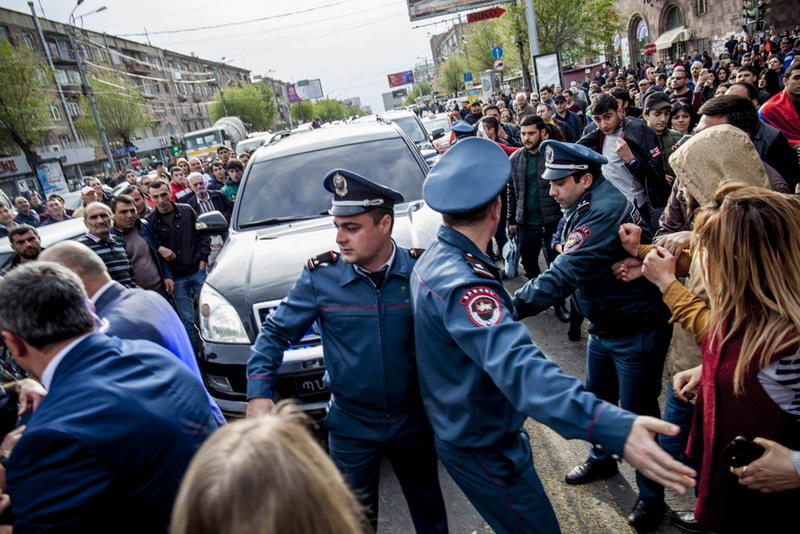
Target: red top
<point x="719" y="417"/>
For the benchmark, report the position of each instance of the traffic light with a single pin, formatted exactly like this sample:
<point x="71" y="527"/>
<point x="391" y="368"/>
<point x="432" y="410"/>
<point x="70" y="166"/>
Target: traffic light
<point x="176" y="146"/>
<point x="761" y="12"/>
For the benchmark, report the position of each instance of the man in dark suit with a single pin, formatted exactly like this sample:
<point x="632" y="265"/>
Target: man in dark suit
<point x="128" y="313"/>
<point x="107" y="447"/>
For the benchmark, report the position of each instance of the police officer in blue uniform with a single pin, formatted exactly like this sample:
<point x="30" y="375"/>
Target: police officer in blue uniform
<point x="629" y="332"/>
<point x="361" y="297"/>
<point x="481" y="376"/>
<point x="463" y="130"/>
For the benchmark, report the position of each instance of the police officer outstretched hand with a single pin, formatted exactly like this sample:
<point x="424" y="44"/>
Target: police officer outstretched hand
<point x="481" y="375"/>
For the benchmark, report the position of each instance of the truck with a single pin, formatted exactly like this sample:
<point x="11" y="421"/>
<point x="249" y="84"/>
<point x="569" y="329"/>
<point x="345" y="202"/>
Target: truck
<point x="226" y="131"/>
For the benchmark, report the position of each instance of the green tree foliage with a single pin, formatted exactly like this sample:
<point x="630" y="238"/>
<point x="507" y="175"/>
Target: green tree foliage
<point x="302" y="111"/>
<point x="421" y="89"/>
<point x="576" y="28"/>
<point x="450" y="75"/>
<point x="122" y="111"/>
<point x="23" y="101"/>
<point x="325" y="110"/>
<point x="255" y="105"/>
<point x="480" y="38"/>
<point x="329" y="110"/>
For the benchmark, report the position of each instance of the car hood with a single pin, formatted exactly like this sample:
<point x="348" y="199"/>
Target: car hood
<point x="262" y="264"/>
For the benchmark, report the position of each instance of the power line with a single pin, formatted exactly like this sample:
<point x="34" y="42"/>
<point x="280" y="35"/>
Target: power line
<point x="228" y="24"/>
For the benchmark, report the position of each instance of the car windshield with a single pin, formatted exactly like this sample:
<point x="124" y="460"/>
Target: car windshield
<point x="291" y="187"/>
<point x="255" y="143"/>
<point x="435" y="124"/>
<point x="410" y="126"/>
<point x="203" y="140"/>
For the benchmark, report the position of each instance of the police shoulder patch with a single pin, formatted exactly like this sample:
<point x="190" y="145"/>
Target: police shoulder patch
<point x="482" y="305"/>
<point x="415" y="252"/>
<point x="326" y="258"/>
<point x="577" y="238"/>
<point x="478" y="266"/>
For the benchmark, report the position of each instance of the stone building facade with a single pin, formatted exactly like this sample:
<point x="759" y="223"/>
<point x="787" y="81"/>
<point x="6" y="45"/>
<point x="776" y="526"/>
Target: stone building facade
<point x="680" y="27"/>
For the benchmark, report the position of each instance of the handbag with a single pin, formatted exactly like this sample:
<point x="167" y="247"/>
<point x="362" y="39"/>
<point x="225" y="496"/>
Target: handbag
<point x="511" y="256"/>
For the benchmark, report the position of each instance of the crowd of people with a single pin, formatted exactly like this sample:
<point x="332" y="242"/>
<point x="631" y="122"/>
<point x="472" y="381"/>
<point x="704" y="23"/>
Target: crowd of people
<point x="660" y="202"/>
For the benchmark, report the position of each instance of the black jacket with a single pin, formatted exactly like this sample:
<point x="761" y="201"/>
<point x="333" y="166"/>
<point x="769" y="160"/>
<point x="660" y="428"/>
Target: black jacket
<point x="190" y="246"/>
<point x="518" y="189"/>
<point x="221" y="204"/>
<point x="646" y="168"/>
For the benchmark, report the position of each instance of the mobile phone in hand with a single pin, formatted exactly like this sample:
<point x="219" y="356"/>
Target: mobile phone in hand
<point x="741" y="451"/>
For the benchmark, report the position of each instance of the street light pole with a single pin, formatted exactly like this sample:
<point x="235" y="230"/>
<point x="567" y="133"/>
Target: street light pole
<point x="53" y="71"/>
<point x="533" y="36"/>
<point x="88" y="90"/>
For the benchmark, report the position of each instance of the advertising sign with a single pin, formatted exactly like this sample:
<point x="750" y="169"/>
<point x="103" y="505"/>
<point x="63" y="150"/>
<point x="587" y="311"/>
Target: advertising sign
<point x="304" y="90"/>
<point x="401" y="78"/>
<point x="423" y="9"/>
<point x="51" y="177"/>
<point x="547" y="69"/>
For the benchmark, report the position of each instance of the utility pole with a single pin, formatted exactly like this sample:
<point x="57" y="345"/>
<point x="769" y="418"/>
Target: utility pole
<point x="533" y="36"/>
<point x="53" y="72"/>
<point x="89" y="95"/>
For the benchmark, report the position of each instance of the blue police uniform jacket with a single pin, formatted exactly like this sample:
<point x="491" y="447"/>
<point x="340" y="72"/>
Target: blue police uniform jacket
<point x="107" y="448"/>
<point x="367" y="343"/>
<point x="480" y="374"/>
<point x="591" y="244"/>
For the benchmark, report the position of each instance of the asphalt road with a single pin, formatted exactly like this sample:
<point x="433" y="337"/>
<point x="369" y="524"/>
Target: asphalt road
<point x="597" y="508"/>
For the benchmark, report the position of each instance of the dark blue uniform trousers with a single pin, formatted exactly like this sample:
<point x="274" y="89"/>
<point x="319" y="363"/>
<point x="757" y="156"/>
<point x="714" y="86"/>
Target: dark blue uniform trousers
<point x="413" y="459"/>
<point x="628" y="370"/>
<point x="502" y="484"/>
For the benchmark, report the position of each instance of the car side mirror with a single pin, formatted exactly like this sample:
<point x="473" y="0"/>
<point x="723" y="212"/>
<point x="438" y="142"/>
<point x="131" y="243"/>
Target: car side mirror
<point x="436" y="134"/>
<point x="212" y="222"/>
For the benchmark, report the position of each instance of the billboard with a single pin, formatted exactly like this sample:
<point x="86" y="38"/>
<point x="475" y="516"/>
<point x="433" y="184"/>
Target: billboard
<point x="304" y="90"/>
<point x="401" y="78"/>
<point x="51" y="177"/>
<point x="423" y="9"/>
<point x="547" y="69"/>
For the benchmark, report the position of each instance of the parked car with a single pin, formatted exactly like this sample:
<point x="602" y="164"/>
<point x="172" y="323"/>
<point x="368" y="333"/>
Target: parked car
<point x="259" y="140"/>
<point x="413" y="128"/>
<point x="49" y="234"/>
<point x="440" y="131"/>
<point x="279" y="221"/>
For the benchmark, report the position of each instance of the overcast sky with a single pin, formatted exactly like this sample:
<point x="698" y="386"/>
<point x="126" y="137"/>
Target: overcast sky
<point x="351" y="45"/>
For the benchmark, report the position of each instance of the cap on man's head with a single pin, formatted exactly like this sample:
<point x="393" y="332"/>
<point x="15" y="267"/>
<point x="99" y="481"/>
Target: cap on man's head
<point x="469" y="175"/>
<point x="559" y="98"/>
<point x="656" y="101"/>
<point x="463" y="129"/>
<point x="353" y="194"/>
<point x="564" y="159"/>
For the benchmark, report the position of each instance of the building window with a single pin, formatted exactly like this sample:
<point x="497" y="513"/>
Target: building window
<point x="54" y="113"/>
<point x="63" y="140"/>
<point x="28" y="40"/>
<point x="73" y="109"/>
<point x="101" y="55"/>
<point x="701" y="7"/>
<point x="5" y="34"/>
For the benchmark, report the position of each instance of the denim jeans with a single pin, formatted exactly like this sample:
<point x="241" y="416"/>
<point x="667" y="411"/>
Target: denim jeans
<point x="186" y="288"/>
<point x="679" y="413"/>
<point x="628" y="370"/>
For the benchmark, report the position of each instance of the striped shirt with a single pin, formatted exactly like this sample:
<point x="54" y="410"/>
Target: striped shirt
<point x="114" y="255"/>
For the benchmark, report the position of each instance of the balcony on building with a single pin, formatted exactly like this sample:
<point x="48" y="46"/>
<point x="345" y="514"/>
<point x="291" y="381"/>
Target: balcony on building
<point x="138" y="68"/>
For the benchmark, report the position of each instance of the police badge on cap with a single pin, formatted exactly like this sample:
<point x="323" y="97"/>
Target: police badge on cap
<point x="354" y="194"/>
<point x="340" y="185"/>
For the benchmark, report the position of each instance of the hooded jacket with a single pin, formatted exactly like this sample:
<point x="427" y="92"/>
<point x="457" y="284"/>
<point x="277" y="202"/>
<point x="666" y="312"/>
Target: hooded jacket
<point x="715" y="156"/>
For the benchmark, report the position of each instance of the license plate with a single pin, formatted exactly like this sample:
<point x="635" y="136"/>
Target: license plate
<point x="310" y="384"/>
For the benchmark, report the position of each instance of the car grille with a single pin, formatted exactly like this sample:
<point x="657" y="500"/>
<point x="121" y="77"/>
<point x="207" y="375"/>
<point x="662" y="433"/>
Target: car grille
<point x="262" y="310"/>
<point x="305" y="387"/>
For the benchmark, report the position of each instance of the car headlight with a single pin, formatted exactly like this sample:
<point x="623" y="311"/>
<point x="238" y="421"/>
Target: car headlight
<point x="219" y="321"/>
